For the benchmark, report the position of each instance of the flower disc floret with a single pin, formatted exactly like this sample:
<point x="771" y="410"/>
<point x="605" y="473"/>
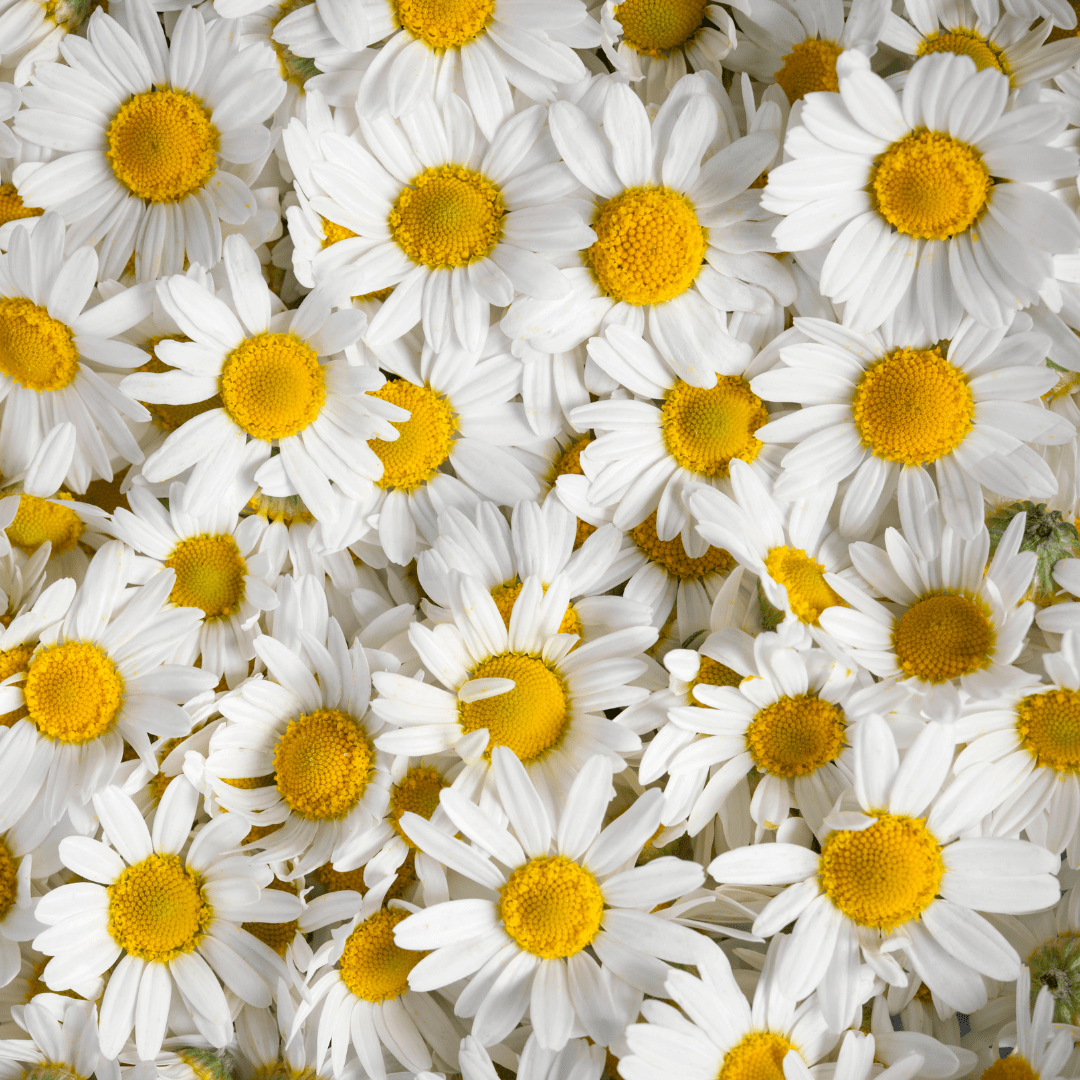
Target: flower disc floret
<point x="372" y="966"/>
<point x="1056" y="965"/>
<point x="11" y="205"/>
<point x="964" y="42"/>
<point x="38" y="520"/>
<point x="1014" y="1067"/>
<point x="322" y="764"/>
<point x="162" y="145"/>
<point x="795" y="736"/>
<point x="157" y="910"/>
<point x="655" y="27"/>
<point x="444" y="24"/>
<point x="416" y="793"/>
<point x="712" y="673"/>
<point x="943" y="636"/>
<point x="272" y="385"/>
<point x="9" y="879"/>
<point x="552" y="907"/>
<point x="706" y="429"/>
<point x="884" y="875"/>
<point x="36" y="350"/>
<point x="671" y="554"/>
<point x="530" y="719"/>
<point x="73" y="692"/>
<point x="759" y="1055"/>
<point x="804" y="578"/>
<point x="424" y="441"/>
<point x="809" y="67"/>
<point x="209" y="575"/>
<point x="1049" y="729"/>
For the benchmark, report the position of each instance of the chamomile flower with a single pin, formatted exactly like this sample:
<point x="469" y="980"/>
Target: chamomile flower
<point x="67" y="1042"/>
<point x="564" y="887"/>
<point x="1038" y="1049"/>
<point x="918" y="197"/>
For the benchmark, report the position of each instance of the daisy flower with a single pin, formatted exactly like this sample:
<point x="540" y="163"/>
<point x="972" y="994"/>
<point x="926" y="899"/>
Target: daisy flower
<point x="1038" y="1049"/>
<point x="525" y="687"/>
<point x="102" y="678"/>
<point x="32" y="31"/>
<point x="564" y="887"/>
<point x="882" y="408"/>
<point x="921" y="199"/>
<point x="17" y="903"/>
<point x="171" y="921"/>
<point x="67" y="1042"/>
<point x="891" y="867"/>
<point x="153" y="139"/>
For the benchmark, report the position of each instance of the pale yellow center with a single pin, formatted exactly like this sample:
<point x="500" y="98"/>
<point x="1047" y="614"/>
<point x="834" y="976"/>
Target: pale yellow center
<point x="704" y="430"/>
<point x="209" y="575"/>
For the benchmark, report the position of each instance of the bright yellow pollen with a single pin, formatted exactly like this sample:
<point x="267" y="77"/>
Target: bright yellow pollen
<point x="930" y="185"/>
<point x="966" y="42"/>
<point x="885" y="875"/>
<point x="38" y="520"/>
<point x="162" y="145"/>
<point x="372" y="966"/>
<point x="531" y="718"/>
<point x="323" y="763"/>
<point x="649" y="245"/>
<point x="11" y="206"/>
<point x="804" y="578"/>
<point x="655" y="27"/>
<point x="1049" y="727"/>
<point x="272" y="385"/>
<point x="505" y="596"/>
<point x="671" y="555"/>
<point x="285" y="508"/>
<point x="12" y="661"/>
<point x="943" y="636"/>
<point x="444" y="24"/>
<point x="333" y="232"/>
<point x="1014" y="1067"/>
<point x="425" y="439"/>
<point x="809" y="67"/>
<point x="209" y="575"/>
<point x="705" y="429"/>
<point x="278" y="936"/>
<point x="758" y="1056"/>
<point x="73" y="692"/>
<point x="552" y="907"/>
<point x="170" y="417"/>
<point x="157" y="910"/>
<point x="9" y="879"/>
<point x="36" y="350"/>
<point x="795" y="736"/>
<point x="712" y="673"/>
<point x="448" y="216"/>
<point x="912" y="406"/>
<point x="417" y="793"/>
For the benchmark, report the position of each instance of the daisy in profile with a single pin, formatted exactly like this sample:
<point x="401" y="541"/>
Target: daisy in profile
<point x="918" y="197"/>
<point x="171" y="920"/>
<point x="525" y="687"/>
<point x="883" y="408"/>
<point x="891" y="866"/>
<point x="154" y="166"/>
<point x="554" y="893"/>
<point x="1039" y="1047"/>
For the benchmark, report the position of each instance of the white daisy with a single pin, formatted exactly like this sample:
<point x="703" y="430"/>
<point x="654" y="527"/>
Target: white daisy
<point x="32" y="31"/>
<point x="1038" y="1049"/>
<point x="64" y="1037"/>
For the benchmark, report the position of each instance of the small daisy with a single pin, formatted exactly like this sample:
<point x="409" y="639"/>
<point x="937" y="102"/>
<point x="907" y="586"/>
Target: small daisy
<point x="74" y="530"/>
<point x="153" y="139"/>
<point x="921" y="198"/>
<point x="32" y="32"/>
<point x="17" y="904"/>
<point x="66" y="1043"/>
<point x="1038" y="1049"/>
<point x="566" y="888"/>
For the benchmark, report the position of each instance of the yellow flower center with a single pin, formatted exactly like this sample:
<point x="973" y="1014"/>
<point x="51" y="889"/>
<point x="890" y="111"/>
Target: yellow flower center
<point x="531" y="718"/>
<point x="278" y="936"/>
<point x="1049" y="727"/>
<point x="810" y="66"/>
<point x="38" y="520"/>
<point x="73" y="692"/>
<point x="912" y="406"/>
<point x="649" y="245"/>
<point x="705" y="429"/>
<point x="930" y="185"/>
<point x="417" y="793"/>
<point x="372" y="966"/>
<point x="272" y="385"/>
<point x="170" y="417"/>
<point x="209" y="575"/>
<point x="448" y="216"/>
<point x="795" y="736"/>
<point x="157" y="910"/>
<point x="655" y="27"/>
<point x="966" y="42"/>
<point x="9" y="879"/>
<point x="712" y="673"/>
<point x="444" y="24"/>
<point x="12" y="661"/>
<point x="323" y="763"/>
<point x="505" y="596"/>
<point x="1014" y="1067"/>
<point x="943" y="636"/>
<point x="804" y="578"/>
<point x="333" y="232"/>
<point x="552" y="907"/>
<point x="36" y="350"/>
<point x="162" y="145"/>
<point x="425" y="439"/>
<point x="11" y="206"/>
<point x="758" y="1056"/>
<point x="671" y="555"/>
<point x="884" y="875"/>
<point x="285" y="508"/>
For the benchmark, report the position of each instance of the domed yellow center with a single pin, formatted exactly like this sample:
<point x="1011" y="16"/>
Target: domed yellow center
<point x="810" y="66"/>
<point x="1049" y="727"/>
<point x="444" y="24"/>
<point x="157" y="910"/>
<point x="705" y="429"/>
<point x="1014" y="1067"/>
<point x="531" y="718"/>
<point x="372" y="966"/>
<point x="804" y="578"/>
<point x="278" y="936"/>
<point x="943" y="636"/>
<point x="912" y="406"/>
<point x="447" y="217"/>
<point x="36" y="350"/>
<point x="884" y="875"/>
<point x="417" y="793"/>
<point x="655" y="27"/>
<point x="38" y="520"/>
<point x="73" y="692"/>
<point x="333" y="232"/>
<point x="505" y="596"/>
<point x="11" y="206"/>
<point x="552" y="907"/>
<point x="209" y="575"/>
<point x="323" y="763"/>
<point x="671" y="554"/>
<point x="9" y="879"/>
<point x="712" y="673"/>
<point x="759" y="1055"/>
<point x="795" y="736"/>
<point x="425" y="439"/>
<point x="11" y="662"/>
<point x="966" y="42"/>
<point x="170" y="417"/>
<point x="162" y="145"/>
<point x="272" y="385"/>
<point x="930" y="185"/>
<point x="649" y="246"/>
